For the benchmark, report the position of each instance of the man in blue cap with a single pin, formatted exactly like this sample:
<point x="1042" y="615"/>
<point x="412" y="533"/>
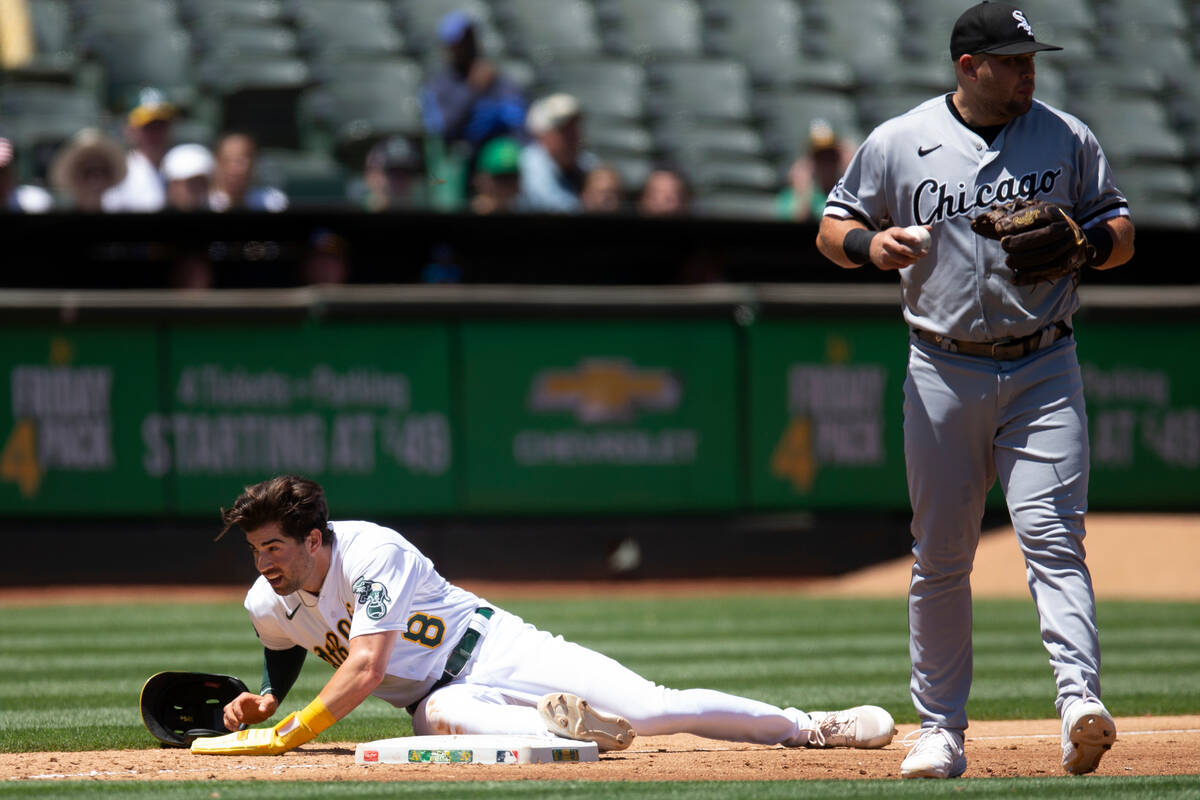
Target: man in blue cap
<point x="469" y="100"/>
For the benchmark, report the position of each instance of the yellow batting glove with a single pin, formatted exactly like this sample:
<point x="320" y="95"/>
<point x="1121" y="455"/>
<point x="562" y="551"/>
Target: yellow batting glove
<point x="294" y="730"/>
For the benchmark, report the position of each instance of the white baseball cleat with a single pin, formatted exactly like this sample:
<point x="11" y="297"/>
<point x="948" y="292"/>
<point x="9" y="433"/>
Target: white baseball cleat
<point x="862" y="726"/>
<point x="572" y="717"/>
<point x="938" y="753"/>
<point x="1088" y="733"/>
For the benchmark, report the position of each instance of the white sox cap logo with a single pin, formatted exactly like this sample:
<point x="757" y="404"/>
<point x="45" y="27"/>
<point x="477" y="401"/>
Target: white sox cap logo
<point x="1022" y="23"/>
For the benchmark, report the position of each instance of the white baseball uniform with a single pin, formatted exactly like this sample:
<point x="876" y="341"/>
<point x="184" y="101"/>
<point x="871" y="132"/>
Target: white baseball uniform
<point x="969" y="419"/>
<point x="378" y="581"/>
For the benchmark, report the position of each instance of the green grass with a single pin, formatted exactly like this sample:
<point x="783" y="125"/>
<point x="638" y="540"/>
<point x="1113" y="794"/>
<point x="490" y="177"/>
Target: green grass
<point x="70" y="677"/>
<point x="1158" y="788"/>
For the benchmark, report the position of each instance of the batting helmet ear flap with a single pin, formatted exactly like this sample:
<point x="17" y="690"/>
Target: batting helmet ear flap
<point x="178" y="707"/>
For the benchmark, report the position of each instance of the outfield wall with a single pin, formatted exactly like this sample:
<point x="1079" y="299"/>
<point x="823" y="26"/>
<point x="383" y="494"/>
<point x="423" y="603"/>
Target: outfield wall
<point x="465" y="407"/>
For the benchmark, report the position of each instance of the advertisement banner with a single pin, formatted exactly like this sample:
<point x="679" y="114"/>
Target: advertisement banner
<point x="595" y="416"/>
<point x="825" y="413"/>
<point x="1143" y="403"/>
<point x="364" y="409"/>
<point x="70" y="405"/>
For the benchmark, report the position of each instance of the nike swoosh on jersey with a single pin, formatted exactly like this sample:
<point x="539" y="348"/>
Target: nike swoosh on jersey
<point x="924" y="151"/>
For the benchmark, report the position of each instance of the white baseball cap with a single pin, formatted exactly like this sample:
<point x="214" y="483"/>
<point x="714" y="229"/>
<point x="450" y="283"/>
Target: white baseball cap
<point x="185" y="161"/>
<point x="551" y="112"/>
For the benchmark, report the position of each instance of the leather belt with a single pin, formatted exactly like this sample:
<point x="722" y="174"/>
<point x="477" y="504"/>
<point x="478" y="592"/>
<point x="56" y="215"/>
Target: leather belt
<point x="461" y="653"/>
<point x="1001" y="349"/>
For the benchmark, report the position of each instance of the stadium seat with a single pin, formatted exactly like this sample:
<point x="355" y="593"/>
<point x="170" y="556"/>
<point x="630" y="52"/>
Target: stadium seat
<point x="54" y="56"/>
<point x="764" y="34"/>
<point x="652" y="30"/>
<point x="96" y="15"/>
<point x="787" y="115"/>
<point x="864" y="33"/>
<point x="134" y="59"/>
<point x="218" y="34"/>
<point x="243" y="12"/>
<point x="543" y="30"/>
<point x="1132" y="130"/>
<point x="729" y="173"/>
<point x="610" y="86"/>
<point x="706" y="88"/>
<point x="731" y="204"/>
<point x="1162" y="14"/>
<point x="364" y="101"/>
<point x="1166" y="214"/>
<point x="347" y="26"/>
<point x="613" y="134"/>
<point x="309" y="179"/>
<point x="419" y="21"/>
<point x="693" y="140"/>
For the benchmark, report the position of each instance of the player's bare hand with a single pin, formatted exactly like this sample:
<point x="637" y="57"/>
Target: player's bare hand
<point x="896" y="248"/>
<point x="249" y="709"/>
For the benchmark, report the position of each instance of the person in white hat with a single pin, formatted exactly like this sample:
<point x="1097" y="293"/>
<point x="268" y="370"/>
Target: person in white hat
<point x="554" y="165"/>
<point x="187" y="169"/>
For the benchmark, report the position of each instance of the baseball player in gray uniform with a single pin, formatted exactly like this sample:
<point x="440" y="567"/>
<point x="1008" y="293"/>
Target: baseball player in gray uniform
<point x="993" y="388"/>
<point x="366" y="601"/>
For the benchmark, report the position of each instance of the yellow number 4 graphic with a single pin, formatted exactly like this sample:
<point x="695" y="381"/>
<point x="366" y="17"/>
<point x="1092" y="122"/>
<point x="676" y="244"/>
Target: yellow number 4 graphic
<point x="18" y="462"/>
<point x="794" y="458"/>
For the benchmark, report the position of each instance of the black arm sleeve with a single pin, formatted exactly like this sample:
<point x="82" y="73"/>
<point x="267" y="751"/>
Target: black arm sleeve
<point x="280" y="670"/>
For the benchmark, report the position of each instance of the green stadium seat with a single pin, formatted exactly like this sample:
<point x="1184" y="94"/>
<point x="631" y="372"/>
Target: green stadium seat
<point x="54" y="55"/>
<point x="693" y="140"/>
<point x="347" y="26"/>
<point x="116" y="15"/>
<point x="613" y="87"/>
<point x="133" y="59"/>
<point x="764" y="34"/>
<point x="613" y="134"/>
<point x="788" y="114"/>
<point x="544" y="30"/>
<point x="1130" y="130"/>
<point x="735" y="204"/>
<point x="362" y="102"/>
<point x="652" y="30"/>
<point x="419" y="21"/>
<point x="698" y="87"/>
<point x="233" y="12"/>
<point x="864" y="33"/>
<point x="310" y="179"/>
<point x="240" y="40"/>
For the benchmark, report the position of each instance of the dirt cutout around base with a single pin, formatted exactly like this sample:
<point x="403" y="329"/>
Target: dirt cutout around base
<point x="1130" y="557"/>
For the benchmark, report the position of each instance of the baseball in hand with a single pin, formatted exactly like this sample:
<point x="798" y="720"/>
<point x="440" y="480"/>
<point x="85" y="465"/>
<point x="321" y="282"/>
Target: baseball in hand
<point x="925" y="240"/>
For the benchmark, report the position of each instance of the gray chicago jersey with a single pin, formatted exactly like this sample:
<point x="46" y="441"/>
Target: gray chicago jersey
<point x="927" y="168"/>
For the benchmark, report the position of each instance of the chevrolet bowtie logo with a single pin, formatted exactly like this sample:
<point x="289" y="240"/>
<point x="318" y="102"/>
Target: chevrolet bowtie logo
<point x="605" y="390"/>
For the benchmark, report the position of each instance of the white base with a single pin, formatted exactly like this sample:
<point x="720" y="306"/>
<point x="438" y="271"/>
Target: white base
<point x="491" y="749"/>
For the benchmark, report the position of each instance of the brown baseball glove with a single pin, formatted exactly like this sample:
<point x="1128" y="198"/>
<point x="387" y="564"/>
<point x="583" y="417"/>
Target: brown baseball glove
<point x="1042" y="241"/>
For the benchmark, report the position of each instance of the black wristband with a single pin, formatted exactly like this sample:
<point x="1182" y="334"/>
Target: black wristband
<point x="1101" y="239"/>
<point x="857" y="245"/>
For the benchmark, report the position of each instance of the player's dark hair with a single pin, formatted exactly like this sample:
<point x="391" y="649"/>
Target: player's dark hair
<point x="296" y="503"/>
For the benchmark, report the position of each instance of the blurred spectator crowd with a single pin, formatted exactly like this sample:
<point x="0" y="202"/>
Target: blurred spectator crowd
<point x="742" y="108"/>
